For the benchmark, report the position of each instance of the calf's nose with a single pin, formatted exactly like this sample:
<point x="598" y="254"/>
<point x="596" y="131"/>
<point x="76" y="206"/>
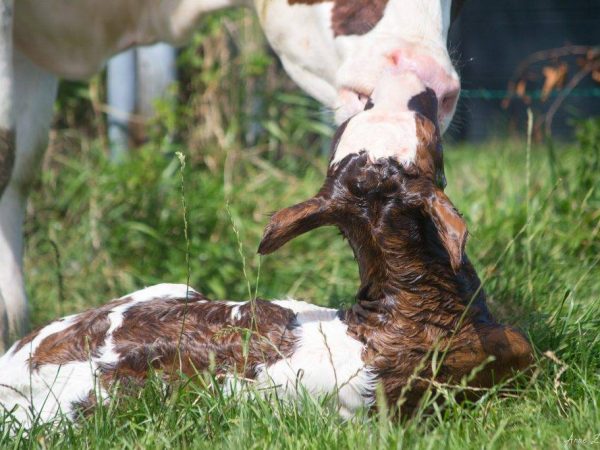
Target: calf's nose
<point x="444" y="83"/>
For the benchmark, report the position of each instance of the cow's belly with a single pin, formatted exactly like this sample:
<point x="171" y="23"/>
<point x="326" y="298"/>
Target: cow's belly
<point x="74" y="38"/>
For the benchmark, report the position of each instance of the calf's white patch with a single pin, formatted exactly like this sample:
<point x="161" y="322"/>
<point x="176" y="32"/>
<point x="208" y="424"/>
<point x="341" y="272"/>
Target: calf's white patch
<point x="326" y="360"/>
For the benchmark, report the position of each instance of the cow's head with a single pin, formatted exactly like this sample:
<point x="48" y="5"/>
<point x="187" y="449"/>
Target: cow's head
<point x="337" y="50"/>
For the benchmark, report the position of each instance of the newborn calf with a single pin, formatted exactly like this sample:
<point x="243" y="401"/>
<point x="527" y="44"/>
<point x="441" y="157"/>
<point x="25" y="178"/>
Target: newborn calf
<point x="71" y="364"/>
<point x="418" y="292"/>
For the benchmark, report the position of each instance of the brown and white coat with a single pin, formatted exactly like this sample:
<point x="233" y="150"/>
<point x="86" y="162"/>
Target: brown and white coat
<point x="70" y="364"/>
<point x="418" y="293"/>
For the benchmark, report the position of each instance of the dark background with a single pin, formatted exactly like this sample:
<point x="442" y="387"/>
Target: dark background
<point x="489" y="40"/>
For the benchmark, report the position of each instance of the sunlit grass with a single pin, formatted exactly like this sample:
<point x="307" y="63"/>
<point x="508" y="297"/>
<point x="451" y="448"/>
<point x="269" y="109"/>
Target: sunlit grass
<point x="121" y="228"/>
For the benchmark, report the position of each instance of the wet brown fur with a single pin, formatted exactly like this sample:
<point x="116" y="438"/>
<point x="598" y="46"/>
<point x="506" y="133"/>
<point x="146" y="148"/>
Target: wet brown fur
<point x="78" y="342"/>
<point x="172" y="336"/>
<point x="27" y="340"/>
<point x="418" y="290"/>
<point x="195" y="336"/>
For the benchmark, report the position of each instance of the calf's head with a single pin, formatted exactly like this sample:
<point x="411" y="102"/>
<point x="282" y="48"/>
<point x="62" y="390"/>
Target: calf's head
<point x="337" y="50"/>
<point x="384" y="187"/>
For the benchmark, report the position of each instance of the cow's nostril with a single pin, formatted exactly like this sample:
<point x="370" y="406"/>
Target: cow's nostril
<point x="449" y="100"/>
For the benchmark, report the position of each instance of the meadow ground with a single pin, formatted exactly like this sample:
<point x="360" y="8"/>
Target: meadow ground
<point x="97" y="231"/>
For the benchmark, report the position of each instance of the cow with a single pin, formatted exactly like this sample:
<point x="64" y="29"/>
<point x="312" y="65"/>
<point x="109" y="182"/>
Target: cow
<point x="336" y="50"/>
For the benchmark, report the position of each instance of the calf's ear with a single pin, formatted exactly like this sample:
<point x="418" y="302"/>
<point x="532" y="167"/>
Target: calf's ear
<point x="290" y="222"/>
<point x="450" y="226"/>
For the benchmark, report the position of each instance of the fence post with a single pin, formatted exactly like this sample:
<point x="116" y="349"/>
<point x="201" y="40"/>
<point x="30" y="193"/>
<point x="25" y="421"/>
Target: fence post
<point x="156" y="68"/>
<point x="121" y="89"/>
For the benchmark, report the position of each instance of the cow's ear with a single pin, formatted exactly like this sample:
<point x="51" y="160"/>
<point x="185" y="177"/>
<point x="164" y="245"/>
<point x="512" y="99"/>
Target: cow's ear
<point x="449" y="224"/>
<point x="290" y="222"/>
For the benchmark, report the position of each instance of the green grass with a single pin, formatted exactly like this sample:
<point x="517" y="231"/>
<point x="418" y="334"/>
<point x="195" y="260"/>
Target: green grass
<point x="95" y="231"/>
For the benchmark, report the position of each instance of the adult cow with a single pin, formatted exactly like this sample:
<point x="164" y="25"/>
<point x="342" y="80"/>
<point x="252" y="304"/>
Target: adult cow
<point x="335" y="50"/>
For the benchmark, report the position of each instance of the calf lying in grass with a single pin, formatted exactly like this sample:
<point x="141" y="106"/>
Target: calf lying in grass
<point x="418" y="293"/>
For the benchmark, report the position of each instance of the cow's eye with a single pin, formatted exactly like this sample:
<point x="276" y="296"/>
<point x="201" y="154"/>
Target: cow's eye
<point x="366" y="100"/>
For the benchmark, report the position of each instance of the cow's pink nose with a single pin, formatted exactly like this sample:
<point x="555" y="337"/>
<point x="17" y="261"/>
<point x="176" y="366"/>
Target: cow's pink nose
<point x="445" y="84"/>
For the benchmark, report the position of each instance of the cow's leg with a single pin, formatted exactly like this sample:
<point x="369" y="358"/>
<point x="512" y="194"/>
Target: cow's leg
<point x="35" y="91"/>
<point x="7" y="128"/>
<point x="7" y="134"/>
